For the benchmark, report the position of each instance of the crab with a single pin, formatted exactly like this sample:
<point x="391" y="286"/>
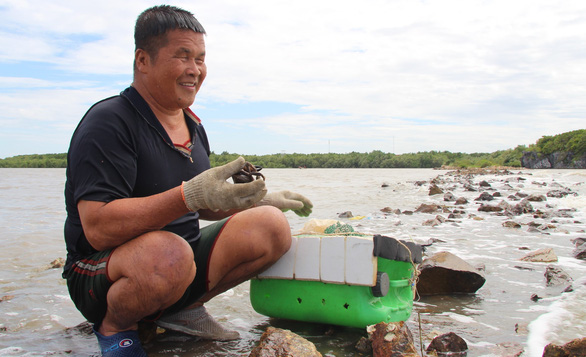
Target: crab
<point x="248" y="173"/>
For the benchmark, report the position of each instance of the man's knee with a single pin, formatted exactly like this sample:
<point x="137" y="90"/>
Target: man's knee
<point x="276" y="226"/>
<point x="167" y="259"/>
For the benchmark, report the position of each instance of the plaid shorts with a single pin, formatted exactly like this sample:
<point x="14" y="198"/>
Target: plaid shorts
<point x="88" y="281"/>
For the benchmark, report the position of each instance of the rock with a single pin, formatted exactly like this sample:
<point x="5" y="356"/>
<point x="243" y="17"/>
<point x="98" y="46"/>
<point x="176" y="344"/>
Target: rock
<point x="484" y="196"/>
<point x="427" y="208"/>
<point x="363" y="346"/>
<point x="511" y="224"/>
<point x="448" y="197"/>
<point x="560" y="193"/>
<point x="536" y="198"/>
<point x="522" y="207"/>
<point x="386" y="210"/>
<point x="435" y="190"/>
<point x="346" y="214"/>
<point x="461" y="201"/>
<point x="6" y="298"/>
<point x="484" y="183"/>
<point x="556" y="160"/>
<point x="573" y="348"/>
<point x="279" y="342"/>
<point x="431" y="223"/>
<point x="543" y="255"/>
<point x="580" y="249"/>
<point x="489" y="208"/>
<point x="556" y="276"/>
<point x="57" y="263"/>
<point x="85" y="328"/>
<point x="393" y="339"/>
<point x="445" y="273"/>
<point x="449" y="342"/>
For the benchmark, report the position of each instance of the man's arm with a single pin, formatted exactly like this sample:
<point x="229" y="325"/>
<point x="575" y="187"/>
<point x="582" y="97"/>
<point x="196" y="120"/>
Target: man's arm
<point x="108" y="225"/>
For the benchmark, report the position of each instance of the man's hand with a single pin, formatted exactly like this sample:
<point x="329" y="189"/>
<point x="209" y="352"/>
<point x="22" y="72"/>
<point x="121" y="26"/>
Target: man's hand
<point x="209" y="190"/>
<point x="287" y="200"/>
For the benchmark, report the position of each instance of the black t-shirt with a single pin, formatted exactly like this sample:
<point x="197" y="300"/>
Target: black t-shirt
<point x="121" y="150"/>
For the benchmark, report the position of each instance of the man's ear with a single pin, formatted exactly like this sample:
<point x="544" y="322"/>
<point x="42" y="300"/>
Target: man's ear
<point x="142" y="60"/>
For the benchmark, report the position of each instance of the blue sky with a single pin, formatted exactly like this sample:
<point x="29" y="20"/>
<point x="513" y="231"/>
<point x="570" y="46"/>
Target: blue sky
<point x="313" y="76"/>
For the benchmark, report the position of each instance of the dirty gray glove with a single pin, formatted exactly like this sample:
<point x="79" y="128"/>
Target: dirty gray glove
<point x="209" y="189"/>
<point x="287" y="200"/>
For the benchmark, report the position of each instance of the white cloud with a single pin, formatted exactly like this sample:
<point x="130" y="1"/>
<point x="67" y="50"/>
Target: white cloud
<point x="452" y="75"/>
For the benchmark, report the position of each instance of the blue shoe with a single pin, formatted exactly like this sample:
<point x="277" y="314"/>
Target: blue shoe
<point x="122" y="344"/>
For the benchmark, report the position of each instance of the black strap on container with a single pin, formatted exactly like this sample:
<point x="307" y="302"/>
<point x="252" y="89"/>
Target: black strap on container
<point x="392" y="249"/>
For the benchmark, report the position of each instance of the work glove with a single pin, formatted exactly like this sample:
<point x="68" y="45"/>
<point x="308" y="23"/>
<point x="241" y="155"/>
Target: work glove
<point x="287" y="200"/>
<point x="210" y="190"/>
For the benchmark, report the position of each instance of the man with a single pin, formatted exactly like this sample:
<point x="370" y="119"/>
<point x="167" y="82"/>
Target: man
<point x="139" y="180"/>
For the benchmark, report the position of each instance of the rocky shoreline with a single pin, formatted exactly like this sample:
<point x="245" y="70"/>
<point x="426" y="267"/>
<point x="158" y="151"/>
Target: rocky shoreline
<point x="519" y="213"/>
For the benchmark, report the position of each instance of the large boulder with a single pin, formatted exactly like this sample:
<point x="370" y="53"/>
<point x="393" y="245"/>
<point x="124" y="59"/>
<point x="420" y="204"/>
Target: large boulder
<point x="444" y="273"/>
<point x="279" y="342"/>
<point x="391" y="340"/>
<point x="575" y="347"/>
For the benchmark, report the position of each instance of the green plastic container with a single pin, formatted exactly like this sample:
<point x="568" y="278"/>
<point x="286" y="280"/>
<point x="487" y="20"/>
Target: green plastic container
<point x="337" y="304"/>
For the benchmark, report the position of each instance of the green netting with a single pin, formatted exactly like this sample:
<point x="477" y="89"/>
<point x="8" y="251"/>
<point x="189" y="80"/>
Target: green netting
<point x="337" y="228"/>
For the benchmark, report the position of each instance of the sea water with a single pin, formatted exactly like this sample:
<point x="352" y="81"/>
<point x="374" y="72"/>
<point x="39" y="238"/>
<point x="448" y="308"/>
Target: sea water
<point x="36" y="312"/>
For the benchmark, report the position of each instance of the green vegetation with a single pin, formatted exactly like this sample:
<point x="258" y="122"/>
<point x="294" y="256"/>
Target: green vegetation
<point x="35" y="161"/>
<point x="573" y="141"/>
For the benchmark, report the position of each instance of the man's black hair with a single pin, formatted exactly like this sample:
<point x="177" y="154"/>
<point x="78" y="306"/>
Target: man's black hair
<point x="153" y="24"/>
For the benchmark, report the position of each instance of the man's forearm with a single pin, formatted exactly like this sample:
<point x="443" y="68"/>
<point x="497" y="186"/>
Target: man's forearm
<point x="108" y="225"/>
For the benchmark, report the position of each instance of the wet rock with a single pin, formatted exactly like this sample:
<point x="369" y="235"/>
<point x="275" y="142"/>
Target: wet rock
<point x="484" y="183"/>
<point x="535" y="297"/>
<point x="449" y="197"/>
<point x="85" y="328"/>
<point x="393" y="339"/>
<point x="346" y="214"/>
<point x="445" y="273"/>
<point x="279" y="342"/>
<point x="57" y="263"/>
<point x="511" y="224"/>
<point x="484" y="196"/>
<point x="556" y="276"/>
<point x="363" y="346"/>
<point x="544" y="255"/>
<point x="536" y="198"/>
<point x="489" y="208"/>
<point x="449" y="342"/>
<point x="522" y="207"/>
<point x="580" y="249"/>
<point x="435" y="190"/>
<point x="560" y="193"/>
<point x="427" y="208"/>
<point x="6" y="298"/>
<point x="573" y="348"/>
<point x="461" y="201"/>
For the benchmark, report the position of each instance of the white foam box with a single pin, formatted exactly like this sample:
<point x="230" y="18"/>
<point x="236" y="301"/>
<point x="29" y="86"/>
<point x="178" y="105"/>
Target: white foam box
<point x="307" y="258"/>
<point x="332" y="259"/>
<point x="361" y="265"/>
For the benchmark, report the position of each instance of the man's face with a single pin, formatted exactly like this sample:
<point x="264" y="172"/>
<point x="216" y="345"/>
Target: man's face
<point x="177" y="72"/>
